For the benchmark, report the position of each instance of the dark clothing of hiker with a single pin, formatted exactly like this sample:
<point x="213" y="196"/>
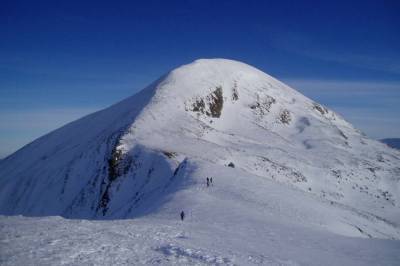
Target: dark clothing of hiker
<point x="208" y="182"/>
<point x="211" y="180"/>
<point x="182" y="215"/>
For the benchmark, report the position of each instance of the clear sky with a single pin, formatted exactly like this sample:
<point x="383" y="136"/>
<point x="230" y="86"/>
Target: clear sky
<point x="60" y="60"/>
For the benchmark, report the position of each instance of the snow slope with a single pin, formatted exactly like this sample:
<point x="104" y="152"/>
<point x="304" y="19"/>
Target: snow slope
<point x="272" y="225"/>
<point x="295" y="166"/>
<point x="155" y="241"/>
<point x="275" y="225"/>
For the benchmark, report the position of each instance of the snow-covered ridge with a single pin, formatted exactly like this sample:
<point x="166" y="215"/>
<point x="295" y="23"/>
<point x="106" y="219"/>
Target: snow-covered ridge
<point x="213" y="117"/>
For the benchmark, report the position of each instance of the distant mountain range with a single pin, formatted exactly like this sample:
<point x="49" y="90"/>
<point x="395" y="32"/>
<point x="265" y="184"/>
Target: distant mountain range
<point x="392" y="142"/>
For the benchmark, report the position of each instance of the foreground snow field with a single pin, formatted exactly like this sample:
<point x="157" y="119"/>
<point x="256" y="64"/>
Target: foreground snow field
<point x="223" y="226"/>
<point x="149" y="241"/>
<point x="293" y="182"/>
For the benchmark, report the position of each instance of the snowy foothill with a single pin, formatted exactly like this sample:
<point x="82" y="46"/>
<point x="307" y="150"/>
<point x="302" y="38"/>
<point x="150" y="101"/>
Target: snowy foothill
<point x="293" y="182"/>
<point x="222" y="226"/>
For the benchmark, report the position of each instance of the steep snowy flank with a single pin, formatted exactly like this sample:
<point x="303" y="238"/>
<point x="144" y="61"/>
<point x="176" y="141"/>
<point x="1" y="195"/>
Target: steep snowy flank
<point x="150" y="155"/>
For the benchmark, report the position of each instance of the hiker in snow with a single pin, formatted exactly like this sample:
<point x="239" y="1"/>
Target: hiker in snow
<point x="208" y="182"/>
<point x="182" y="215"/>
<point x="211" y="181"/>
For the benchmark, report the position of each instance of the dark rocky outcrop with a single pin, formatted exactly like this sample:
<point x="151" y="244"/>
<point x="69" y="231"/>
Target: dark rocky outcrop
<point x="285" y="116"/>
<point x="211" y="105"/>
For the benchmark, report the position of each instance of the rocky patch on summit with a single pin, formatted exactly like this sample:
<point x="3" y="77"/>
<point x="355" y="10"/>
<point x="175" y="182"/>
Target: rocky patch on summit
<point x="263" y="105"/>
<point x="210" y="105"/>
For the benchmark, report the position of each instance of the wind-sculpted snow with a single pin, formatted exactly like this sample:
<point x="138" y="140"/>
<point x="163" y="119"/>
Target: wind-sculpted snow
<point x="160" y="241"/>
<point x="216" y="118"/>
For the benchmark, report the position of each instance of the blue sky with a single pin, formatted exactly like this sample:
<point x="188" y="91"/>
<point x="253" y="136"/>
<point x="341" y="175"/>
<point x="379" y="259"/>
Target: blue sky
<point x="60" y="60"/>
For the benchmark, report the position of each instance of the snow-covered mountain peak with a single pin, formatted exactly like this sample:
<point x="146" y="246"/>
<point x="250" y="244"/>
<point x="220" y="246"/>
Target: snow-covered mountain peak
<point x="270" y="149"/>
<point x="229" y="96"/>
<point x="203" y="77"/>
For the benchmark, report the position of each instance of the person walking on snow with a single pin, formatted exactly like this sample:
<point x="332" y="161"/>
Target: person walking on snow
<point x="211" y="180"/>
<point x="182" y="215"/>
<point x="208" y="182"/>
